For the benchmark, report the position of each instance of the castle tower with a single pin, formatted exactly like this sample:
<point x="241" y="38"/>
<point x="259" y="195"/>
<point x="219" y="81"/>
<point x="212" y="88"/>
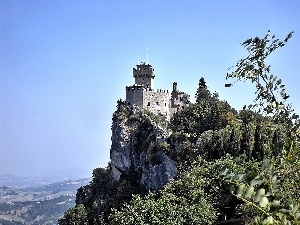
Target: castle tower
<point x="144" y="75"/>
<point x="178" y="100"/>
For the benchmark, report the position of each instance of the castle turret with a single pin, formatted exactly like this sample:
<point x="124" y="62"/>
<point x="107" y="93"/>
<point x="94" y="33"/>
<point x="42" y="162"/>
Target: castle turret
<point x="175" y="86"/>
<point x="178" y="100"/>
<point x="144" y="75"/>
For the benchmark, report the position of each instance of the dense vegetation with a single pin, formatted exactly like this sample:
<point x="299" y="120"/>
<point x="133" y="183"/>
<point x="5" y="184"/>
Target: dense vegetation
<point x="235" y="165"/>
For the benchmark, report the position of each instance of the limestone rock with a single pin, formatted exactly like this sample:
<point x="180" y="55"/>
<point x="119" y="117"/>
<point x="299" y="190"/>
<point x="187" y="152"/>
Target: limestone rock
<point x="135" y="150"/>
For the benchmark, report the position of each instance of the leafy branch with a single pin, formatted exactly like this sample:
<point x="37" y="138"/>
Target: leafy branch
<point x="270" y="92"/>
<point x="262" y="194"/>
<point x="262" y="190"/>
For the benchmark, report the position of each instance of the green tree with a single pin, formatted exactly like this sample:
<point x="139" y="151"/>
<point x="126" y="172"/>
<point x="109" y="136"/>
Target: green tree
<point x="203" y="116"/>
<point x="202" y="92"/>
<point x="76" y="216"/>
<point x="181" y="201"/>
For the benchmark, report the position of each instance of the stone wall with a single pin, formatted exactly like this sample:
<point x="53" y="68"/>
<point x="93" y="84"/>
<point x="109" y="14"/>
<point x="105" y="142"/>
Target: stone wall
<point x="134" y="95"/>
<point x="179" y="100"/>
<point x="157" y="102"/>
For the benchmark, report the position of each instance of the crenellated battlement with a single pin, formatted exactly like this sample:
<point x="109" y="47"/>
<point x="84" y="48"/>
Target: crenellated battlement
<point x="143" y="69"/>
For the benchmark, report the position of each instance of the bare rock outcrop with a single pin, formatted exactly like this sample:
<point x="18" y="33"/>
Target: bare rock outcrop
<point x="136" y="148"/>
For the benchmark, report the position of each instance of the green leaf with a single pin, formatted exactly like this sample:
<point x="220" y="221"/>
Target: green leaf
<point x="259" y="194"/>
<point x="286" y="97"/>
<point x="224" y="173"/>
<point x="275" y="203"/>
<point x="251" y="176"/>
<point x="268" y="194"/>
<point x="230" y="175"/>
<point x="275" y="181"/>
<point x="249" y="192"/>
<point x="241" y="177"/>
<point x="264" y="202"/>
<point x="232" y="189"/>
<point x="269" y="220"/>
<point x="240" y="190"/>
<point x="256" y="182"/>
<point x="278" y="82"/>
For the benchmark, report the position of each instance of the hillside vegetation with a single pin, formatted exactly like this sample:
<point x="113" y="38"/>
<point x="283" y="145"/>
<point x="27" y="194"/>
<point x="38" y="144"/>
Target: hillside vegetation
<point x="239" y="166"/>
<point x="38" y="205"/>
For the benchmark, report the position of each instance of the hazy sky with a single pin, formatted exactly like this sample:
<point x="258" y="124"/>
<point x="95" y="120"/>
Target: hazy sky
<point x="64" y="64"/>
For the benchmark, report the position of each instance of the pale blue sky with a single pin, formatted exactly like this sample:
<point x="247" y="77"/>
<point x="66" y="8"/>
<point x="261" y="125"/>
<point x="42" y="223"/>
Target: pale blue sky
<point x="64" y="64"/>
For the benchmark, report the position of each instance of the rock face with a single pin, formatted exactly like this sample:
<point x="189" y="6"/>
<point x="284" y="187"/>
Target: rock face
<point x="136" y="148"/>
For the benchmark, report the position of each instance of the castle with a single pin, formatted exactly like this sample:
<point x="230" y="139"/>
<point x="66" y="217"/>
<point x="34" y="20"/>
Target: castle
<point x="142" y="94"/>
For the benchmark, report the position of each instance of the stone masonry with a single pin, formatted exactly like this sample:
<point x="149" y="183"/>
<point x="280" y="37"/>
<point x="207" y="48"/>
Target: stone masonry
<point x="142" y="94"/>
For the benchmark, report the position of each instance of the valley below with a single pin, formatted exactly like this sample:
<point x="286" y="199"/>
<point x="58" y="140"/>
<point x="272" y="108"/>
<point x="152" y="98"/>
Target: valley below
<point x="42" y="204"/>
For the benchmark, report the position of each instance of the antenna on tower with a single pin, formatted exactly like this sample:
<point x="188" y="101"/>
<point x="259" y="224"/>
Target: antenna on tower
<point x="147" y="61"/>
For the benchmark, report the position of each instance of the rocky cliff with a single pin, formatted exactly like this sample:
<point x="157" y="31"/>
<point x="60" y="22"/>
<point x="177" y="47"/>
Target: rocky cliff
<point x="138" y="147"/>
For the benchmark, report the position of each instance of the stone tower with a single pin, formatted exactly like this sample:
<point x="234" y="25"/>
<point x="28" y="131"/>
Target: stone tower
<point x="144" y="75"/>
<point x="179" y="100"/>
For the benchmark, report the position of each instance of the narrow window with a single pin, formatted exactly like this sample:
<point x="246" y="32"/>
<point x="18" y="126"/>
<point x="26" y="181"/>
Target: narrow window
<point x="148" y="104"/>
<point x="128" y="103"/>
<point x="165" y="104"/>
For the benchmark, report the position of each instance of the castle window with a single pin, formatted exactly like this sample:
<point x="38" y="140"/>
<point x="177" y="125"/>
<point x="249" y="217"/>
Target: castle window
<point x="157" y="103"/>
<point x="182" y="107"/>
<point x="128" y="89"/>
<point x="165" y="104"/>
<point x="128" y="103"/>
<point x="148" y="104"/>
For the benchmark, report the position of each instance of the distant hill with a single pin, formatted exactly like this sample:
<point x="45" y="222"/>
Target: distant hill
<point x="13" y="181"/>
<point x="35" y="212"/>
<point x="39" y="204"/>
